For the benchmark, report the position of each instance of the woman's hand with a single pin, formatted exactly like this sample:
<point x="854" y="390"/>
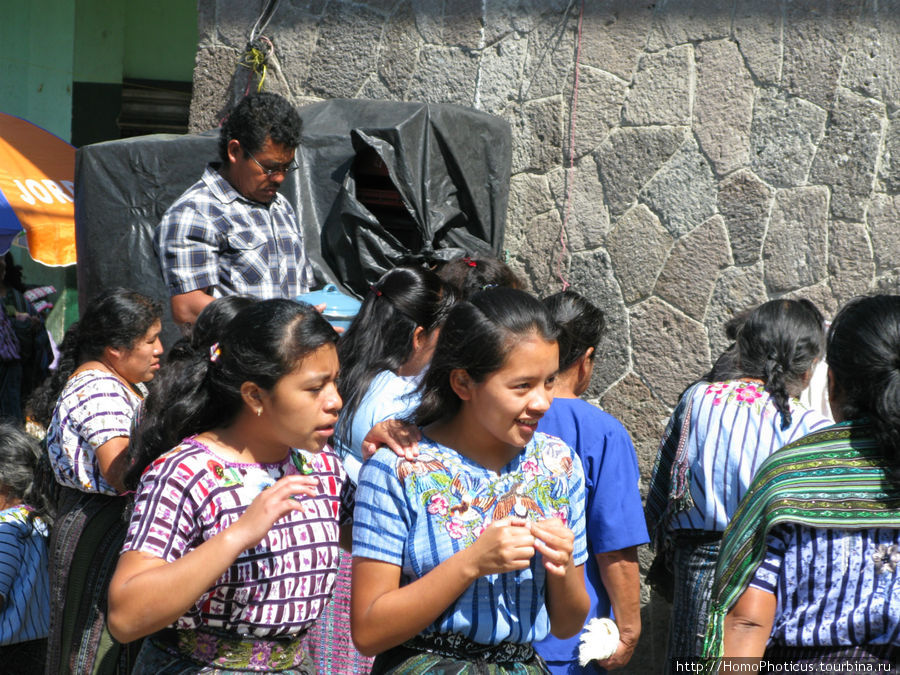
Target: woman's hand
<point x="555" y="542"/>
<point x="400" y="437"/>
<point x="272" y="504"/>
<point x="504" y="546"/>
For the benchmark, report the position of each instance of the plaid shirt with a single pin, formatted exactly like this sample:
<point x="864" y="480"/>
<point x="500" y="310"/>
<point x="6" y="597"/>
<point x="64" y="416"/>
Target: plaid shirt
<point x="214" y="238"/>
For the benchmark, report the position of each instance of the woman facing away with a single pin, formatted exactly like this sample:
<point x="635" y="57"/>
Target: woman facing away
<point x="717" y="438"/>
<point x="25" y="515"/>
<point x="239" y="522"/>
<point x="106" y="357"/>
<point x="466" y="556"/>
<point x="614" y="514"/>
<point x="808" y="572"/>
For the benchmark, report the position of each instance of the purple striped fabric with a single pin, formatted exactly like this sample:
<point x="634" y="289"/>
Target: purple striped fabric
<point x="281" y="585"/>
<point x="93" y="408"/>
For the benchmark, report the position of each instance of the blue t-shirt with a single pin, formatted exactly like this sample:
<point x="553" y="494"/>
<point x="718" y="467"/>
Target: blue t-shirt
<point x="418" y="514"/>
<point x="24" y="577"/>
<point x="389" y="396"/>
<point x="615" y="517"/>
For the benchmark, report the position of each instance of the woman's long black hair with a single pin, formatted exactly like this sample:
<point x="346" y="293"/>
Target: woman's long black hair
<point x="25" y="473"/>
<point x="580" y="322"/>
<point x="115" y="318"/>
<point x="381" y="336"/>
<point x="264" y="342"/>
<point x="477" y="337"/>
<point x="864" y="359"/>
<point x="779" y="342"/>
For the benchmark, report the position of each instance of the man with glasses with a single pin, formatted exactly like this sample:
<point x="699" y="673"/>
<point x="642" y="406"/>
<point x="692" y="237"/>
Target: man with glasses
<point x="231" y="233"/>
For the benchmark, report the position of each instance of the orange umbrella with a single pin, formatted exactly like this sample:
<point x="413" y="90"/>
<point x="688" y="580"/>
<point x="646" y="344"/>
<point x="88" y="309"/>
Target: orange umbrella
<point x="36" y="191"/>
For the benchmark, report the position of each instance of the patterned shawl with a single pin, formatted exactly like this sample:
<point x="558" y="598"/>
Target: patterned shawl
<point x="832" y="478"/>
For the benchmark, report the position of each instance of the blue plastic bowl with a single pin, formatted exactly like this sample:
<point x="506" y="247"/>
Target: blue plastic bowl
<point x="340" y="308"/>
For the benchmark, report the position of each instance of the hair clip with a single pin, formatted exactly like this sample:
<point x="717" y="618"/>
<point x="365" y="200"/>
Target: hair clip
<point x="377" y="293"/>
<point x="470" y="262"/>
<point x="214" y="352"/>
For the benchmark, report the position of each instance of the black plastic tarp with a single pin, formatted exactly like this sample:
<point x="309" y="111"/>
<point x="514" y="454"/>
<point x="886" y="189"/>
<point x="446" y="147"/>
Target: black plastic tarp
<point x="448" y="165"/>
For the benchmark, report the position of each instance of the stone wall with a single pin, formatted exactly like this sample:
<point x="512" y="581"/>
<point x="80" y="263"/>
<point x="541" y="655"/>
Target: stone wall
<point x="674" y="161"/>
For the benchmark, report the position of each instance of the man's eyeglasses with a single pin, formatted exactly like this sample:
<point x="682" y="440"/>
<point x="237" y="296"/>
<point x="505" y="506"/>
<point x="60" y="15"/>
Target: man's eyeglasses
<point x="284" y="168"/>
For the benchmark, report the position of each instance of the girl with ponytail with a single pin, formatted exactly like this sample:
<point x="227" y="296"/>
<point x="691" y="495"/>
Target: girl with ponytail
<point x="239" y="522"/>
<point x="715" y="442"/>
<point x="25" y="515"/>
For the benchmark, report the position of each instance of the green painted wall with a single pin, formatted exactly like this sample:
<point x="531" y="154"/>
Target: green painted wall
<point x="160" y="39"/>
<point x="37" y="37"/>
<point x="99" y="40"/>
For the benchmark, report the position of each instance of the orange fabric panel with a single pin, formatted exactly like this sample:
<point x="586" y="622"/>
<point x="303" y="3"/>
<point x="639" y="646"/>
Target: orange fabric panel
<point x="37" y="171"/>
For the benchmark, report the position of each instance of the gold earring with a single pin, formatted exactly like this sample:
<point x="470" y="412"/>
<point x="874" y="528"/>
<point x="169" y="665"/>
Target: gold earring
<point x="259" y="412"/>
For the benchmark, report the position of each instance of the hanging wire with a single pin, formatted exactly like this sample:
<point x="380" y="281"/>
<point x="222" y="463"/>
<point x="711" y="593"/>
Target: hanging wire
<point x="571" y="170"/>
<point x="263" y="19"/>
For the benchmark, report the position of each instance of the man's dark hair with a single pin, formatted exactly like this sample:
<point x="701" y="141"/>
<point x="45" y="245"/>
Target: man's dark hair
<point x="257" y="117"/>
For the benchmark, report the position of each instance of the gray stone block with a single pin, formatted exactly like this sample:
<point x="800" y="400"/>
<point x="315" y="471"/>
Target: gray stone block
<point x="537" y="131"/>
<point x="683" y="192"/>
<point x="444" y="75"/>
<point x="503" y="18"/>
<point x="500" y="74"/>
<point x="461" y="24"/>
<point x="629" y="157"/>
<point x="600" y="97"/>
<point x="638" y="247"/>
<point x="723" y="105"/>
<point x="815" y="38"/>
<point x="661" y="89"/>
<point x="669" y="349"/>
<point x="591" y="274"/>
<point x="737" y="289"/>
<point x="888" y="282"/>
<point x="529" y="195"/>
<point x="889" y="172"/>
<point x="847" y="155"/>
<point x="783" y="137"/>
<point x="214" y="87"/>
<point x="614" y="34"/>
<point x="677" y="22"/>
<point x="869" y="67"/>
<point x="429" y="20"/>
<point x="399" y="51"/>
<point x="694" y="264"/>
<point x="294" y="34"/>
<point x="851" y="266"/>
<point x="233" y="22"/>
<point x="534" y="251"/>
<point x="586" y="218"/>
<point x="744" y="202"/>
<point x="820" y="295"/>
<point x="632" y="403"/>
<point x="549" y="60"/>
<point x="883" y="220"/>
<point x="757" y="28"/>
<point x="794" y="251"/>
<point x="345" y="50"/>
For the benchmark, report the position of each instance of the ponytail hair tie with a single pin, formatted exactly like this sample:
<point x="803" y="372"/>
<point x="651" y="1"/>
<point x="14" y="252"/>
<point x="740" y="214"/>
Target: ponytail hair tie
<point x="470" y="262"/>
<point x="214" y="352"/>
<point x="377" y="293"/>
